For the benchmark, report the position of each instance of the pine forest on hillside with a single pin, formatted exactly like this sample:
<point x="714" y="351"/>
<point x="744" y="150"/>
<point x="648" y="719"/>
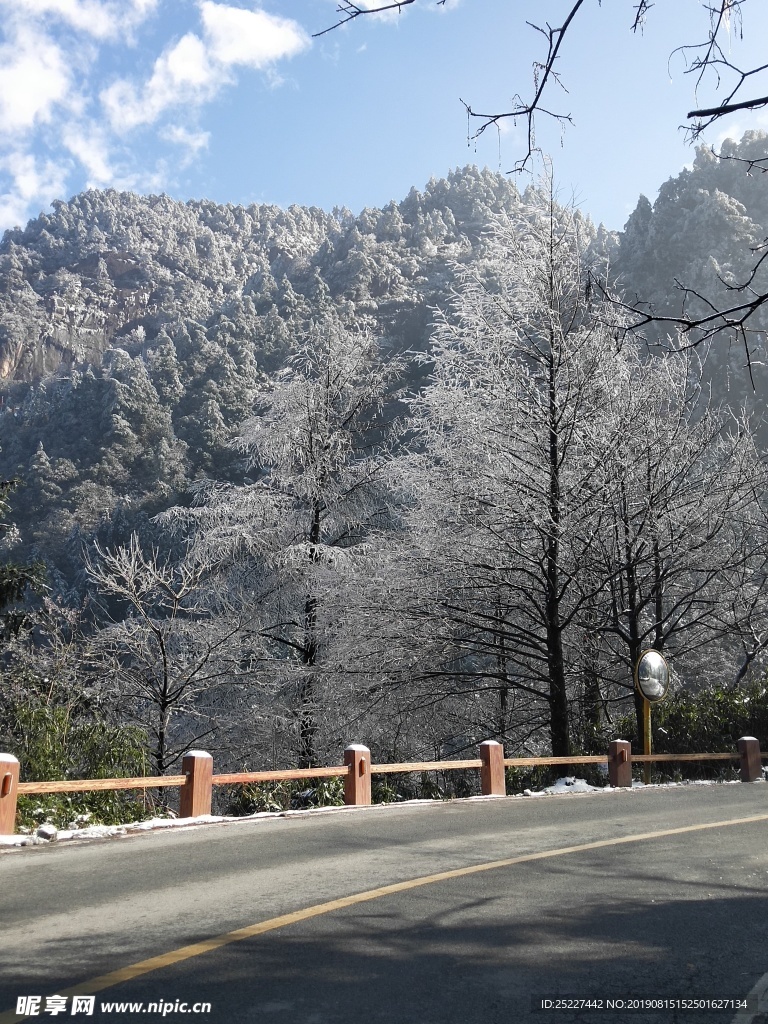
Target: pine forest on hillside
<point x="281" y="480"/>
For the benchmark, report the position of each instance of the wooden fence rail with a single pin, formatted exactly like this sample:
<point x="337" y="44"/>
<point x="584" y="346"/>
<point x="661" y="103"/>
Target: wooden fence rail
<point x="87" y="785"/>
<point x="197" y="779"/>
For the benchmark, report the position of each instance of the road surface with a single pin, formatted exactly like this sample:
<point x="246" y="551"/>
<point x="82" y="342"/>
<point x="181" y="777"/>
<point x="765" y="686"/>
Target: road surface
<point x="442" y="913"/>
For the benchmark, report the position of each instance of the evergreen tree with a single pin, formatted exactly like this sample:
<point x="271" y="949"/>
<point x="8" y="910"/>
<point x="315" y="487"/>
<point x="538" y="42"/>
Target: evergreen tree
<point x="17" y="580"/>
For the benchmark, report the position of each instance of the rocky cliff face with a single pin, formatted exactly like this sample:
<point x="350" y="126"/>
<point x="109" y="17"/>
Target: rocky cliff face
<point x="135" y="332"/>
<point x="52" y="323"/>
<point x="76" y="282"/>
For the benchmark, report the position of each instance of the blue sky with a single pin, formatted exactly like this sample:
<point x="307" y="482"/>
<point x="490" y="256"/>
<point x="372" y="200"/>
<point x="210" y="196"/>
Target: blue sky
<point x="236" y="102"/>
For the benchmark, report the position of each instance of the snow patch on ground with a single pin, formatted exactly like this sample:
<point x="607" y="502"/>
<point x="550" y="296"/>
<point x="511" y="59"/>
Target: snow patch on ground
<point x="47" y="833"/>
<point x="570" y="784"/>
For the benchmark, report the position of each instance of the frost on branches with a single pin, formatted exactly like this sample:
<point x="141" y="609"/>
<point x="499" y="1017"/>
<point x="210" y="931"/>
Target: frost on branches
<point x="575" y="500"/>
<point x="557" y="499"/>
<point x="288" y="540"/>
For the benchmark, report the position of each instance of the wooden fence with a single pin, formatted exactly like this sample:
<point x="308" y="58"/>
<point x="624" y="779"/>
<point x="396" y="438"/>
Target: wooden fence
<point x="197" y="780"/>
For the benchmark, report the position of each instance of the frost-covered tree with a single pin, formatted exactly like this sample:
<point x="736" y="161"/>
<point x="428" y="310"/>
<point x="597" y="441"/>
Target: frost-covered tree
<point x="710" y="55"/>
<point x="574" y="501"/>
<point x="683" y="488"/>
<point x="315" y="448"/>
<point x="521" y="370"/>
<point x="701" y="248"/>
<point x="17" y="580"/>
<point x="170" y="652"/>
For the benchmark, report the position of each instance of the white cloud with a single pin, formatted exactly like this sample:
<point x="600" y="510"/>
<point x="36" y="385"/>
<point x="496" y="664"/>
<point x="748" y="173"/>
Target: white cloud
<point x="59" y="116"/>
<point x="253" y="38"/>
<point x="89" y="145"/>
<point x="96" y="18"/>
<point x="30" y="178"/>
<point x="185" y="66"/>
<point x="184" y="137"/>
<point x="193" y="70"/>
<point x="183" y="74"/>
<point x="34" y="183"/>
<point x="14" y="211"/>
<point x="34" y="76"/>
<point x="191" y="141"/>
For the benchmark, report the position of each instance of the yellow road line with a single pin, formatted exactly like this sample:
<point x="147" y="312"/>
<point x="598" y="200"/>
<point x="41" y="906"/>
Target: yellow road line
<point x="176" y="956"/>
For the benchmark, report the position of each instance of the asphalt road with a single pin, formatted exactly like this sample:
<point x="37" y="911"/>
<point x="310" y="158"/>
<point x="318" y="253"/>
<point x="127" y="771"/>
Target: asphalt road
<point x="579" y="907"/>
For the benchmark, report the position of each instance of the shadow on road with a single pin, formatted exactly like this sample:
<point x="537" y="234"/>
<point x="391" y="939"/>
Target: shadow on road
<point x="474" y="953"/>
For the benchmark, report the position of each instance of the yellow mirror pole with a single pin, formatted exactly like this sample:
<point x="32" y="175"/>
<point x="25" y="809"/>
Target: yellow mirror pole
<point x="647" y="740"/>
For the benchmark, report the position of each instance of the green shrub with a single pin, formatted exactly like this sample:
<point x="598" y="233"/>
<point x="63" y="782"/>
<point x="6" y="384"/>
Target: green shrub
<point x="255" y="797"/>
<point x="294" y="794"/>
<point x="385" y="791"/>
<point x="706" y="722"/>
<point x="536" y="777"/>
<point x="55" y="738"/>
<point x="431" y="785"/>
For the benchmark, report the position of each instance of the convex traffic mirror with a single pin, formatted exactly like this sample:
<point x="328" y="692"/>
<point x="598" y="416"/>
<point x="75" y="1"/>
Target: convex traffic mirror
<point x="652" y="676"/>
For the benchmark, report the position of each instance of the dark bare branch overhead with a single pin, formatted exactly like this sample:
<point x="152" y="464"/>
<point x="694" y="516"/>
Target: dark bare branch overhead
<point x="348" y="12"/>
<point x="710" y="63"/>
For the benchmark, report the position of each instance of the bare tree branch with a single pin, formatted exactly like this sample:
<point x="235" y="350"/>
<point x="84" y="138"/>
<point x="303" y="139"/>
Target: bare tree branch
<point x="350" y="11"/>
<point x="543" y="73"/>
<point x="707" y="59"/>
<point x="693" y="330"/>
<point x="728" y="108"/>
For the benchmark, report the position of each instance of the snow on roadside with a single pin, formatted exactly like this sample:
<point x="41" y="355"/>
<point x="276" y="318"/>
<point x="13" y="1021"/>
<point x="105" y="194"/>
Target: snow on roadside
<point x="47" y="833"/>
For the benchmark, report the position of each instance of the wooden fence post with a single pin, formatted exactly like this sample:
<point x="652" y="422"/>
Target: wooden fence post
<point x="749" y="750"/>
<point x="492" y="781"/>
<point x="357" y="782"/>
<point x="620" y="763"/>
<point x="197" y="791"/>
<point x="9" y="788"/>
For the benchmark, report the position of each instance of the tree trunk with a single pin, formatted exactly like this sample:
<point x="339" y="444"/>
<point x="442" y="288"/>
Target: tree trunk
<point x="631" y="604"/>
<point x="501" y="663"/>
<point x="559" y="725"/>
<point x="307" y="721"/>
<point x="307" y="718"/>
<point x="592" y="694"/>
